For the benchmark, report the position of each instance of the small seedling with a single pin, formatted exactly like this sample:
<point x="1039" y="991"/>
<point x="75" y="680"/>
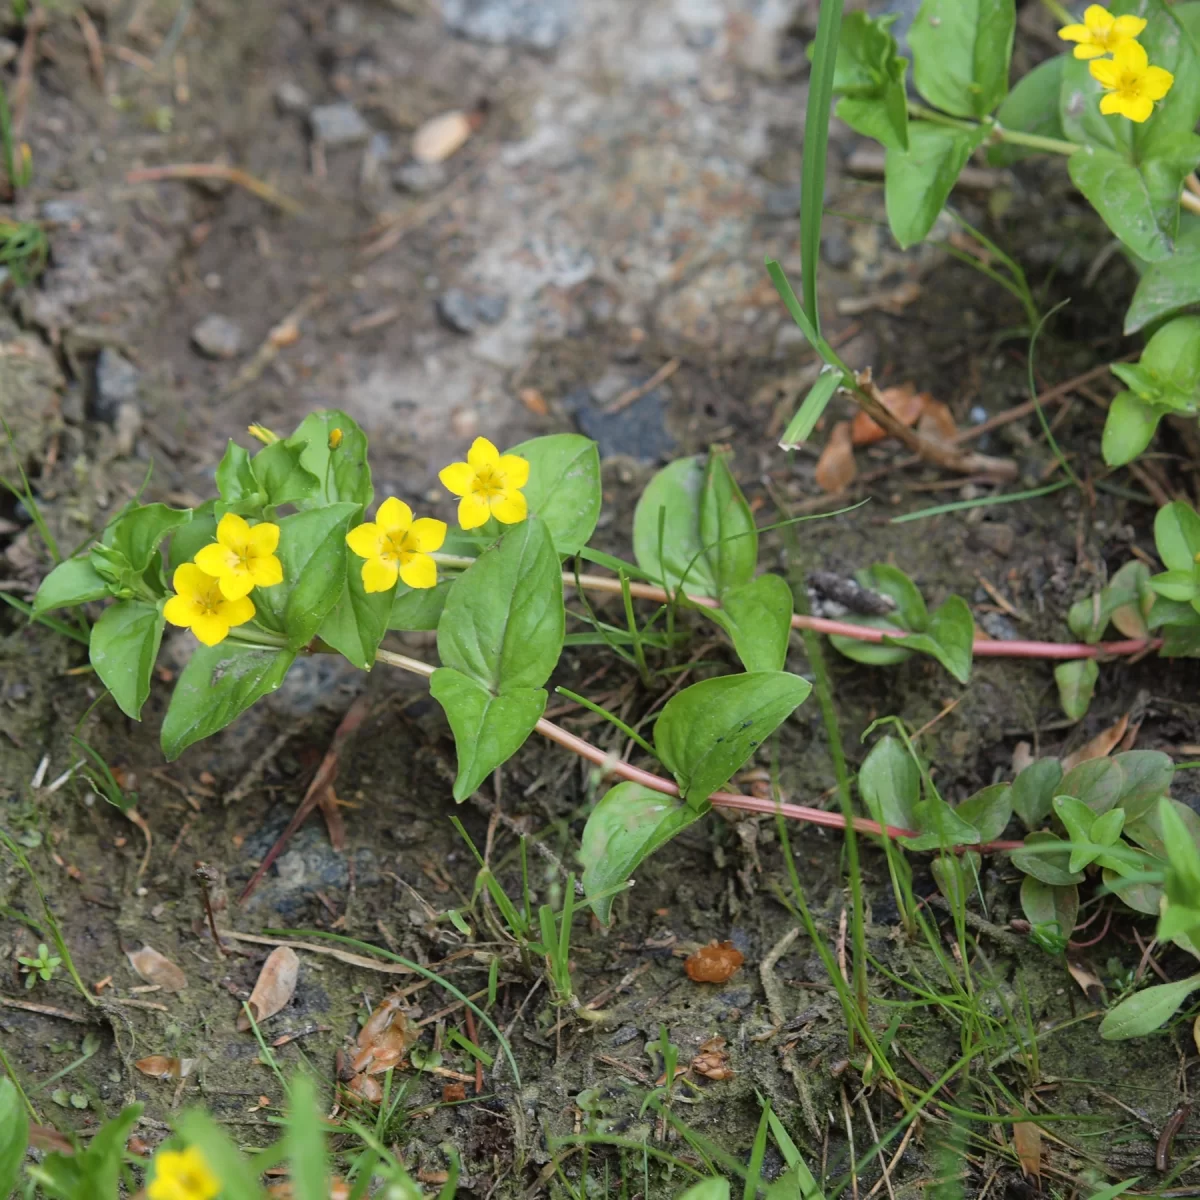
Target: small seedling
<point x="44" y="966"/>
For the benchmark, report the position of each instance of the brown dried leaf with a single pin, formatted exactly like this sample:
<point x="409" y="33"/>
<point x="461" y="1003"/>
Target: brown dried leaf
<point x="159" y="1066"/>
<point x="1022" y="756"/>
<point x="713" y="1062"/>
<point x="453" y="1092"/>
<point x="1196" y="1032"/>
<point x="534" y="401"/>
<point x="157" y="969"/>
<point x="937" y="421"/>
<point x="275" y="987"/>
<point x="385" y="1038"/>
<point x="1027" y="1139"/>
<point x="1092" y="988"/>
<point x="366" y="1087"/>
<point x="441" y="137"/>
<point x="836" y="468"/>
<point x="902" y="402"/>
<point x="714" y="963"/>
<point x="1101" y="746"/>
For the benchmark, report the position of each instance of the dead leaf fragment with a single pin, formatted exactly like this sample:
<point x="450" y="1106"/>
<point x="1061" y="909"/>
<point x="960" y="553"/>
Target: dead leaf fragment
<point x="1101" y="746"/>
<point x="903" y="402"/>
<point x="1027" y="1140"/>
<point x="713" y="1062"/>
<point x="275" y="987"/>
<point x="385" y="1039"/>
<point x="1196" y="1032"/>
<point x="836" y="468"/>
<point x="936" y="421"/>
<point x="159" y="1066"/>
<point x="157" y="969"/>
<point x="452" y="1093"/>
<point x="714" y="963"/>
<point x="1091" y="986"/>
<point x="534" y="401"/>
<point x="441" y="137"/>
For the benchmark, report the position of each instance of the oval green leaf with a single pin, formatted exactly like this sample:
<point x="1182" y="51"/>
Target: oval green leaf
<point x="563" y="487"/>
<point x="1147" y="1010"/>
<point x="123" y="648"/>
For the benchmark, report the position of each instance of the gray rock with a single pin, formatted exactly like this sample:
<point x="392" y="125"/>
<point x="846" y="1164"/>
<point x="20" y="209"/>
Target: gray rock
<point x="8" y="51"/>
<point x="420" y="178"/>
<point x="117" y="383"/>
<point x="536" y="24"/>
<point x="335" y="125"/>
<point x="836" y="252"/>
<point x="637" y="430"/>
<point x="127" y="427"/>
<point x="292" y="99"/>
<point x="998" y="626"/>
<point x="217" y="337"/>
<point x="464" y="311"/>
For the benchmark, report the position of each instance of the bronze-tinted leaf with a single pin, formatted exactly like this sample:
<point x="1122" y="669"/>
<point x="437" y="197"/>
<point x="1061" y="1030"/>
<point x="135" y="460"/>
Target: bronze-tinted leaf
<point x="836" y="468"/>
<point x="157" y="969"/>
<point x="275" y="987"/>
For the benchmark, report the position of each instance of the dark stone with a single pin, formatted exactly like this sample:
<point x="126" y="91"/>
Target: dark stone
<point x="464" y="311"/>
<point x="836" y="252"/>
<point x="419" y="178"/>
<point x="117" y="383"/>
<point x="624" y="1035"/>
<point x="217" y="337"/>
<point x="335" y="125"/>
<point x="637" y="430"/>
<point x="535" y="24"/>
<point x="998" y="626"/>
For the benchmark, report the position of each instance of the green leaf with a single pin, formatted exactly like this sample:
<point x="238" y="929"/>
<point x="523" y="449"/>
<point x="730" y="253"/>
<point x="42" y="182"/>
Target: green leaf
<point x="218" y="684"/>
<point x="72" y="582"/>
<point x="563" y="487"/>
<point x="312" y="549"/>
<point x="306" y="1141"/>
<point x="961" y="51"/>
<point x="989" y="811"/>
<point x="1031" y="107"/>
<point x="239" y="1179"/>
<point x="419" y="608"/>
<point x="890" y="581"/>
<point x="875" y="654"/>
<point x="94" y="1171"/>
<point x="674" y="495"/>
<point x="707" y="1189"/>
<point x="283" y="479"/>
<point x="1177" y="585"/>
<point x="707" y="731"/>
<point x="940" y="827"/>
<point x="1044" y="904"/>
<point x="1129" y="427"/>
<point x="189" y="539"/>
<point x="504" y="621"/>
<point x="1050" y="867"/>
<point x="759" y="620"/>
<point x="341" y="472"/>
<point x="1076" y="685"/>
<point x="140" y="532"/>
<point x="1167" y="286"/>
<point x="237" y="484"/>
<point x="488" y="730"/>
<point x="1080" y="115"/>
<point x="14" y="1134"/>
<point x="1138" y="202"/>
<point x="1147" y="776"/>
<point x="727" y="530"/>
<point x="1106" y="829"/>
<point x="869" y="75"/>
<point x="801" y="425"/>
<point x="1177" y="536"/>
<point x="950" y="638"/>
<point x="123" y="648"/>
<point x="628" y="824"/>
<point x="889" y="783"/>
<point x="1147" y="1010"/>
<point x="1171" y="361"/>
<point x="917" y="182"/>
<point x="957" y="876"/>
<point x="1097" y="782"/>
<point x="1034" y="789"/>
<point x="1168" y="44"/>
<point x="359" y="620"/>
<point x="1148" y="832"/>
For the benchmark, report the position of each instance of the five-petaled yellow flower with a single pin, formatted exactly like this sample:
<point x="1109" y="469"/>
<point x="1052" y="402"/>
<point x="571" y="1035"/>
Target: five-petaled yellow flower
<point x="396" y="545"/>
<point x="1101" y="32"/>
<point x="489" y="483"/>
<point x="182" y="1175"/>
<point x="1131" y="84"/>
<point x="242" y="557"/>
<point x="201" y="606"/>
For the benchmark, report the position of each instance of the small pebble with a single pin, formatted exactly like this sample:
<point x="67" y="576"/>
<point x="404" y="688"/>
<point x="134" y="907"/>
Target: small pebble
<point x="419" y="178"/>
<point x="440" y="137"/>
<point x="292" y="99"/>
<point x="335" y="125"/>
<point x="8" y="51"/>
<point x="217" y="337"/>
<point x="464" y="312"/>
<point x="117" y="383"/>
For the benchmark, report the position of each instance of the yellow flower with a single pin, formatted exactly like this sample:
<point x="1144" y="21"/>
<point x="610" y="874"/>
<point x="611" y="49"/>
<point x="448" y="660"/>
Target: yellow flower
<point x="396" y="545"/>
<point x="335" y="438"/>
<point x="263" y="434"/>
<point x="1131" y="83"/>
<point x="199" y="605"/>
<point x="242" y="557"/>
<point x="182" y="1175"/>
<point x="489" y="483"/>
<point x="1101" y="32"/>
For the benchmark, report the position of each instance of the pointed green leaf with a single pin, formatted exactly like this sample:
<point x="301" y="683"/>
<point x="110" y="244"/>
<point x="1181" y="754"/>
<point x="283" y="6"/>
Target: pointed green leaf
<point x="988" y="810"/>
<point x="359" y="620"/>
<point x="950" y="638"/>
<point x="961" y="52"/>
<point x="14" y="1133"/>
<point x="419" y="608"/>
<point x="1044" y="904"/>
<point x="1046" y="858"/>
<point x="1034" y="789"/>
<point x="1076" y="682"/>
<point x="940" y="827"/>
<point x="563" y="487"/>
<point x="282" y="477"/>
<point x="1097" y="782"/>
<point x="123" y="648"/>
<point x="332" y="450"/>
<point x="890" y="784"/>
<point x="674" y="496"/>
<point x="1031" y="107"/>
<point x="1147" y="1010"/>
<point x="759" y="621"/>
<point x="1177" y="536"/>
<point x="727" y="530"/>
<point x="72" y="582"/>
<point x="917" y="182"/>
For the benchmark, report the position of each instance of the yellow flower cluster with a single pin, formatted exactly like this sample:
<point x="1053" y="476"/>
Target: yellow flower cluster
<point x="212" y="593"/>
<point x="182" y="1175"/>
<point x="397" y="546"/>
<point x="1131" y="84"/>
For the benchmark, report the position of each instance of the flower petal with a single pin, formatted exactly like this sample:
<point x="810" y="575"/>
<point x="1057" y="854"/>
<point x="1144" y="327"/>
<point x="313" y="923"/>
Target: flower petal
<point x="457" y="478"/>
<point x="264" y="538"/>
<point x="191" y="581"/>
<point x="516" y="469"/>
<point x="1075" y="33"/>
<point x="1157" y="83"/>
<point x="378" y="575"/>
<point x="394" y="516"/>
<point x="419" y="572"/>
<point x="1131" y="58"/>
<point x="364" y="539"/>
<point x="1089" y="50"/>
<point x="427" y="534"/>
<point x="1139" y="109"/>
<point x="266" y="571"/>
<point x="1098" y="19"/>
<point x="472" y="512"/>
<point x="210" y="628"/>
<point x="1111" y="104"/>
<point x="1105" y="72"/>
<point x="1128" y="27"/>
<point x="237" y="612"/>
<point x="179" y="610"/>
<point x="482" y="454"/>
<point x="236" y="583"/>
<point x="510" y="507"/>
<point x="233" y="531"/>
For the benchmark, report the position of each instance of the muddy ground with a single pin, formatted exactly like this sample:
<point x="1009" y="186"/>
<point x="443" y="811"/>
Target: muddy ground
<point x="628" y="169"/>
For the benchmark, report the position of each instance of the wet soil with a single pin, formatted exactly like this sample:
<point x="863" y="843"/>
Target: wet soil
<point x="619" y="192"/>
